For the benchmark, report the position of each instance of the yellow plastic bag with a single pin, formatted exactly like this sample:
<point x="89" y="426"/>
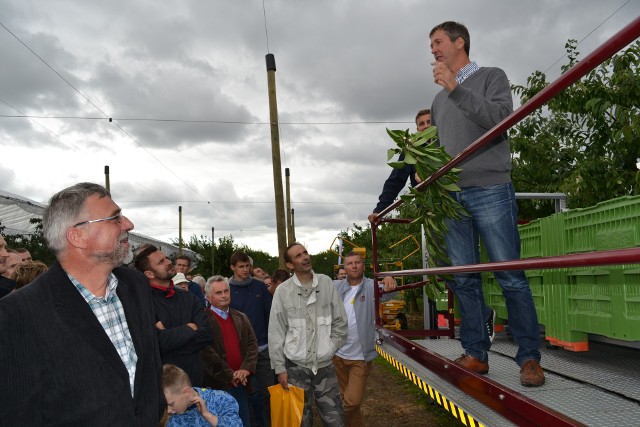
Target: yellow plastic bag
<point x="286" y="406"/>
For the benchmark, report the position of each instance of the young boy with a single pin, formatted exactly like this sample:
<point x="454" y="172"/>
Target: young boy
<point x="194" y="406"/>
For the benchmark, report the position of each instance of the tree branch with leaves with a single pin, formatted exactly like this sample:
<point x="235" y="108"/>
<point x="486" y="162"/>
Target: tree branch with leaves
<point x="433" y="203"/>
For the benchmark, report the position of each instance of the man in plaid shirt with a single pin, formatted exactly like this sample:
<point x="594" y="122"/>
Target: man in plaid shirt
<point x="78" y="345"/>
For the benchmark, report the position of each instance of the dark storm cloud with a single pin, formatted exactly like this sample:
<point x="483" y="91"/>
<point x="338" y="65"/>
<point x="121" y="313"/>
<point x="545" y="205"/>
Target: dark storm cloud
<point x="28" y="84"/>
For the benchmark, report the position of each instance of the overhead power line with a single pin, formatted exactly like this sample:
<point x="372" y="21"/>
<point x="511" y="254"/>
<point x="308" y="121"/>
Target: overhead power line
<point x="223" y="202"/>
<point x="53" y="69"/>
<point x="106" y="116"/>
<point x="232" y="122"/>
<point x="590" y="32"/>
<point x="32" y="119"/>
<point x="138" y="230"/>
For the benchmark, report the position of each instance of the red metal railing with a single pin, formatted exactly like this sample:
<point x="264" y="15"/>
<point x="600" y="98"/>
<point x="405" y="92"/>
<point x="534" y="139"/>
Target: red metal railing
<point x="508" y="403"/>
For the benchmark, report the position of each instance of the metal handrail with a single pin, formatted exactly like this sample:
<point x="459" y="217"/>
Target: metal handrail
<point x="610" y="257"/>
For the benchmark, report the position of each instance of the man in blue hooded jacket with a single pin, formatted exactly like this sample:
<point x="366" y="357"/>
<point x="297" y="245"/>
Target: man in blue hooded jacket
<point x="398" y="177"/>
<point x="251" y="297"/>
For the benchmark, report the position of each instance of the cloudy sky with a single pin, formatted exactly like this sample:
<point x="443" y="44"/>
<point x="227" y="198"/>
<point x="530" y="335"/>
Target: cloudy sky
<point x="186" y="85"/>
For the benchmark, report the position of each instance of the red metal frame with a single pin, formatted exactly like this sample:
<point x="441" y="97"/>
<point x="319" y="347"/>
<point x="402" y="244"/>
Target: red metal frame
<point x="510" y="404"/>
<point x="611" y="257"/>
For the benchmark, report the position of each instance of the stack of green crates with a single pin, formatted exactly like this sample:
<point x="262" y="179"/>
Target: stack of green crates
<point x="604" y="300"/>
<point x="574" y="302"/>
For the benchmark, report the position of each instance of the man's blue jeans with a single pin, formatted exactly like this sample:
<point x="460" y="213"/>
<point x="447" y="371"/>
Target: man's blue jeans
<point x="494" y="219"/>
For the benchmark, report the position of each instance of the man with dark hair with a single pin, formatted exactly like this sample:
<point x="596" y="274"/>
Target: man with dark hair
<point x="181" y="323"/>
<point x="398" y="177"/>
<point x="473" y="100"/>
<point x="183" y="265"/>
<point x="251" y="297"/>
<point x="279" y="276"/>
<point x="308" y="324"/>
<point x="6" y="284"/>
<point x="259" y="273"/>
<point x="25" y="255"/>
<point x="78" y="345"/>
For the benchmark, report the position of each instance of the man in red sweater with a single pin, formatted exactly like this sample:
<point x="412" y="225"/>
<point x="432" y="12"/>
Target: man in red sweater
<point x="231" y="358"/>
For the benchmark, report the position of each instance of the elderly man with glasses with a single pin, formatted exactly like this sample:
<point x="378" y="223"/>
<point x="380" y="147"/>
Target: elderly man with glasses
<point x="78" y="345"/>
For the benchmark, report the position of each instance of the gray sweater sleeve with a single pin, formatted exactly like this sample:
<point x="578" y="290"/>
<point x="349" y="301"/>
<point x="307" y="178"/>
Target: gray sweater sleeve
<point x="485" y="107"/>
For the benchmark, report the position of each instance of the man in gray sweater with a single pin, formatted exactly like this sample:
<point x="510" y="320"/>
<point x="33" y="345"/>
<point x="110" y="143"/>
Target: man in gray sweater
<point x="473" y="100"/>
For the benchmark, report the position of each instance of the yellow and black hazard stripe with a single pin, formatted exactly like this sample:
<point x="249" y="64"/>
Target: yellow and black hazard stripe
<point x="434" y="394"/>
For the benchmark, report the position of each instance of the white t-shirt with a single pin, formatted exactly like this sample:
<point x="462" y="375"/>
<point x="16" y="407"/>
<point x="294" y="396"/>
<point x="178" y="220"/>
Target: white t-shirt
<point x="351" y="350"/>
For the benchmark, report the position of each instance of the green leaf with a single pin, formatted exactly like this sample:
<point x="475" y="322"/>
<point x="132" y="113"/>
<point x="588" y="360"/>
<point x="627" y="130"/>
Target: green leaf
<point x="399" y="136"/>
<point x="396" y="165"/>
<point x="396" y="134"/>
<point x="427" y="134"/>
<point x="409" y="158"/>
<point x="450" y="187"/>
<point x="415" y="151"/>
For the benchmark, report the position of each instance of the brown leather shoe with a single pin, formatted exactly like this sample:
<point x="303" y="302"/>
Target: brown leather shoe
<point x="531" y="374"/>
<point x="472" y="364"/>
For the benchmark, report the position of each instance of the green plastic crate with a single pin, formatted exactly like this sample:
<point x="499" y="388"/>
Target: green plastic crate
<point x="606" y="301"/>
<point x="573" y="303"/>
<point x="539" y="282"/>
<point x="589" y="300"/>
<point x="628" y="327"/>
<point x="493" y="295"/>
<point x="552" y="230"/>
<point x="559" y="329"/>
<point x="531" y="239"/>
<point x="613" y="224"/>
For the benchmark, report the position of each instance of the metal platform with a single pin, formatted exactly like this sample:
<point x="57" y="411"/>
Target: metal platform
<point x="600" y="387"/>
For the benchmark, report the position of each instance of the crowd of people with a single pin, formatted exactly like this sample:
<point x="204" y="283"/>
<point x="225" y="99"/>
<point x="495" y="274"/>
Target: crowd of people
<point x="17" y="268"/>
<point x="111" y="336"/>
<point x="108" y="335"/>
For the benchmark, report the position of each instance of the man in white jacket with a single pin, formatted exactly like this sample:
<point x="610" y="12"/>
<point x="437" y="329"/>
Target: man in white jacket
<point x="307" y="325"/>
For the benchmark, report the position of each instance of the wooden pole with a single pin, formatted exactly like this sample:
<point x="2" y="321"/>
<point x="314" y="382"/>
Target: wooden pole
<point x="107" y="181"/>
<point x="281" y="227"/>
<point x="213" y="251"/>
<point x="179" y="230"/>
<point x="290" y="232"/>
<point x="293" y="225"/>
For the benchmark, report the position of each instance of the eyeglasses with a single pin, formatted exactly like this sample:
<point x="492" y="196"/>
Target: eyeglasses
<point x="117" y="218"/>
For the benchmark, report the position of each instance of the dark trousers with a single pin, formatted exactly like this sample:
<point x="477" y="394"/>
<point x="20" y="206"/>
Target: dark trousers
<point x="260" y="400"/>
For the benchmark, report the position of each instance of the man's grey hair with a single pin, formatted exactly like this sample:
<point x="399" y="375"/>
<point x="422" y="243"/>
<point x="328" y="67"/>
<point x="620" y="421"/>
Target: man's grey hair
<point x="210" y="280"/>
<point x="65" y="210"/>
